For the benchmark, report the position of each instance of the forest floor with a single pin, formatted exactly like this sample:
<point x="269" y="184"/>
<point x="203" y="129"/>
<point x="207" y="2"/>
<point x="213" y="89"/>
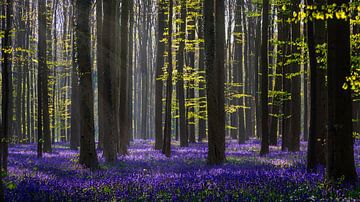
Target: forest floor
<point x="146" y="174"/>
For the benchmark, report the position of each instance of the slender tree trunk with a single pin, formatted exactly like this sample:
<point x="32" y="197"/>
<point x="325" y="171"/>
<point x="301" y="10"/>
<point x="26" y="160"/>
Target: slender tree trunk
<point x="167" y="129"/>
<point x="286" y="124"/>
<point x="75" y="100"/>
<point x="180" y="81"/>
<point x="202" y="92"/>
<point x="294" y="139"/>
<point x="6" y="86"/>
<point x="41" y="73"/>
<point x="191" y="86"/>
<point x="264" y="80"/>
<point x="124" y="95"/>
<point x="100" y="69"/>
<point x="159" y="70"/>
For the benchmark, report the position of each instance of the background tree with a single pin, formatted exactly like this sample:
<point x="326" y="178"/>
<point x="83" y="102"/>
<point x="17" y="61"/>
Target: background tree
<point x="264" y="80"/>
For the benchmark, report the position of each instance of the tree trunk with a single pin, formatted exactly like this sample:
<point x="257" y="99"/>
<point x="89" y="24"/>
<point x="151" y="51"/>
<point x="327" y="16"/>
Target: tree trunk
<point x="167" y="129"/>
<point x="294" y="139"/>
<point x="286" y="107"/>
<point x="202" y="92"/>
<point x="180" y="82"/>
<point x="191" y="86"/>
<point x="215" y="57"/>
<point x="124" y="95"/>
<point x="340" y="151"/>
<point x="41" y="73"/>
<point x="264" y="80"/>
<point x="109" y="86"/>
<point x="159" y="71"/>
<point x="88" y="155"/>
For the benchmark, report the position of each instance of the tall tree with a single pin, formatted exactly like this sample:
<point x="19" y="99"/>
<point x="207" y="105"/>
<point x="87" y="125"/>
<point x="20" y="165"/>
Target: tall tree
<point x="180" y="81"/>
<point x="286" y="105"/>
<point x="215" y="57"/>
<point x="45" y="81"/>
<point x="41" y="73"/>
<point x="103" y="127"/>
<point x="202" y="91"/>
<point x="109" y="86"/>
<point x="316" y="35"/>
<point x="159" y="70"/>
<point x="6" y="70"/>
<point x="124" y="95"/>
<point x="295" y="129"/>
<point x="75" y="100"/>
<point x="191" y="83"/>
<point x="340" y="151"/>
<point x="264" y="80"/>
<point x="167" y="129"/>
<point x="239" y="67"/>
<point x="88" y="156"/>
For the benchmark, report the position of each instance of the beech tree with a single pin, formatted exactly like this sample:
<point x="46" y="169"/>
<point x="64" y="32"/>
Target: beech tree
<point x="215" y="57"/>
<point x="340" y="151"/>
<point x="88" y="156"/>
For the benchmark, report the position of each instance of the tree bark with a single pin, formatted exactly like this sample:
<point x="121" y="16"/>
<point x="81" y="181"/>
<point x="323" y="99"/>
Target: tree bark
<point x="264" y="80"/>
<point x="124" y="95"/>
<point x="159" y="70"/>
<point x="184" y="140"/>
<point x="88" y="156"/>
<point x="340" y="151"/>
<point x="167" y="129"/>
<point x="215" y="57"/>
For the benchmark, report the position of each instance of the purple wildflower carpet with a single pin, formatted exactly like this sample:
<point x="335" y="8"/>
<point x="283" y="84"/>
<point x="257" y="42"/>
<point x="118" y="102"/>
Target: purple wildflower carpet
<point x="147" y="175"/>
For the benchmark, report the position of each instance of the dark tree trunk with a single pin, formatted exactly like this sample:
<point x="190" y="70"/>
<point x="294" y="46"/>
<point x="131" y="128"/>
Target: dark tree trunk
<point x="44" y="72"/>
<point x="180" y="82"/>
<point x="75" y="100"/>
<point x="264" y="80"/>
<point x="6" y="87"/>
<point x="294" y="139"/>
<point x="159" y="71"/>
<point x="124" y="95"/>
<point x="88" y="155"/>
<point x="215" y="57"/>
<point x="286" y="107"/>
<point x="75" y="105"/>
<point x="167" y="129"/>
<point x="318" y="104"/>
<point x="41" y="74"/>
<point x="109" y="86"/>
<point x="340" y="151"/>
